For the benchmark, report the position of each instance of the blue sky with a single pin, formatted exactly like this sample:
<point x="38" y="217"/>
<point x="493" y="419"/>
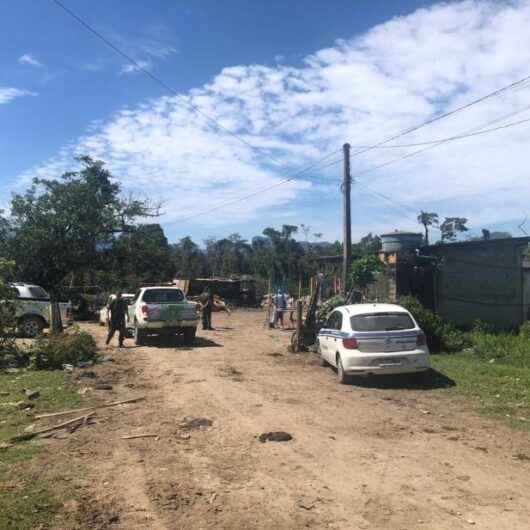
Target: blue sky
<point x="295" y="79"/>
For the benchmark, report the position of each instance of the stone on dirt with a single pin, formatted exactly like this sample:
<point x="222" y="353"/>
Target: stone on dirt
<point x="276" y="436"/>
<point x="189" y="423"/>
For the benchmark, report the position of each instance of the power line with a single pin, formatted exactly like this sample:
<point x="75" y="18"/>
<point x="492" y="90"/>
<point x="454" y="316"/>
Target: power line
<point x="257" y="192"/>
<point x="138" y="66"/>
<point x="449" y="138"/>
<point x="519" y="83"/>
<point x="444" y="115"/>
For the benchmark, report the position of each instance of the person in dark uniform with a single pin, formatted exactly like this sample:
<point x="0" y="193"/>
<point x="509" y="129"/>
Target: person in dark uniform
<point x="207" y="308"/>
<point x="117" y="310"/>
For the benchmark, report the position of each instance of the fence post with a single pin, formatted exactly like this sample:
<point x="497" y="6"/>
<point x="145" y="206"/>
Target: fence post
<point x="299" y="311"/>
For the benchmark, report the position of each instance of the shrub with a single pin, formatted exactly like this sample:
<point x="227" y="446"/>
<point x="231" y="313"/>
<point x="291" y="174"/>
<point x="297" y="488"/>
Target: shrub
<point x="329" y="305"/>
<point x="524" y="330"/>
<point x="51" y="352"/>
<point x="441" y="335"/>
<point x="506" y="348"/>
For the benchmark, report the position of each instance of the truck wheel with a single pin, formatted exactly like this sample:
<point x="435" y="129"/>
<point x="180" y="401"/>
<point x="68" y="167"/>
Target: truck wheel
<point x="189" y="335"/>
<point x="139" y="336"/>
<point x="31" y="326"/>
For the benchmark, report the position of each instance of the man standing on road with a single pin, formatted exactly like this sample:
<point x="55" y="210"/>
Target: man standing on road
<point x="117" y="310"/>
<point x="207" y="307"/>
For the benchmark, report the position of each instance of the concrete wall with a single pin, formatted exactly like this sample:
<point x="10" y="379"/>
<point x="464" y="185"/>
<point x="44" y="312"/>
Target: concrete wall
<point x="481" y="280"/>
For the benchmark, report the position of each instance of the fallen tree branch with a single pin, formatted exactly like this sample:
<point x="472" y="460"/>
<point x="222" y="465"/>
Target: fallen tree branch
<point x="77" y="411"/>
<point x="133" y="436"/>
<point x="30" y="435"/>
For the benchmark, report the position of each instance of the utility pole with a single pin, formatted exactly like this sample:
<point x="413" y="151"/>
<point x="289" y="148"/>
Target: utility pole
<point x="346" y="218"/>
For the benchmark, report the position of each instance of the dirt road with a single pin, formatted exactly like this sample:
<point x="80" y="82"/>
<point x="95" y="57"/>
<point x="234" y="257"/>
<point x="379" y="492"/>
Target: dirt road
<point x="360" y="457"/>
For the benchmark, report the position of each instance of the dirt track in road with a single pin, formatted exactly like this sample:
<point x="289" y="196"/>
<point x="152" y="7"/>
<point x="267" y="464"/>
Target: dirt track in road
<point x="361" y="457"/>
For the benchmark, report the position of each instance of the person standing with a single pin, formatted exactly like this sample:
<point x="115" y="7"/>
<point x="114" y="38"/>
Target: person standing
<point x="207" y="308"/>
<point x="117" y="310"/>
<point x="280" y="305"/>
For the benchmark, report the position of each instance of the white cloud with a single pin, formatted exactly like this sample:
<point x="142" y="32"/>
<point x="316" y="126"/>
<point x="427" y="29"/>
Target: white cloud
<point x="361" y="90"/>
<point x="30" y="60"/>
<point x="8" y="93"/>
<point x="131" y="68"/>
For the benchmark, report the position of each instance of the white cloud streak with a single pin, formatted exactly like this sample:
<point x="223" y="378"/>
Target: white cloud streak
<point x="361" y="90"/>
<point x="30" y="60"/>
<point x="7" y="94"/>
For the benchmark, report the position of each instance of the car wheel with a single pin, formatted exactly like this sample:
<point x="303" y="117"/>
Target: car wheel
<point x="343" y="378"/>
<point x="31" y="326"/>
<point x="189" y="335"/>
<point x="139" y="336"/>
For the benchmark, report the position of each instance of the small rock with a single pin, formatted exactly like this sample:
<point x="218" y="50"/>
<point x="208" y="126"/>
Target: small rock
<point x="276" y="436"/>
<point x="108" y="359"/>
<point x="521" y="456"/>
<point x="89" y="374"/>
<point x="185" y="436"/>
<point x="68" y="367"/>
<point x="103" y="386"/>
<point x="469" y="521"/>
<point x="423" y="411"/>
<point x="306" y="504"/>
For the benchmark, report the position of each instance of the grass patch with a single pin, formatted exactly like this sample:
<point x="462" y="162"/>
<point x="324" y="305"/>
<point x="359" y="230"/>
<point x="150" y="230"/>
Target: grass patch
<point x="500" y="389"/>
<point x="27" y="499"/>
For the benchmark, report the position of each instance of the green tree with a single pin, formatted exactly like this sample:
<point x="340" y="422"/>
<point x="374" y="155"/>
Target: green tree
<point x="65" y="225"/>
<point x="364" y="271"/>
<point x="428" y="219"/>
<point x="451" y="227"/>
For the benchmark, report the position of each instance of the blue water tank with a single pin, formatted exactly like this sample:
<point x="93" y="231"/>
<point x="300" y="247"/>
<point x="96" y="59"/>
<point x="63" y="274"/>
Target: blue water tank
<point x="399" y="241"/>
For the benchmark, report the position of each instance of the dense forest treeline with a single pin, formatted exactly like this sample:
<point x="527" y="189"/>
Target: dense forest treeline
<point x="80" y="230"/>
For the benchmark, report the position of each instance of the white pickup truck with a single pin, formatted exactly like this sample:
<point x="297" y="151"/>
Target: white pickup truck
<point x="33" y="309"/>
<point x="162" y="311"/>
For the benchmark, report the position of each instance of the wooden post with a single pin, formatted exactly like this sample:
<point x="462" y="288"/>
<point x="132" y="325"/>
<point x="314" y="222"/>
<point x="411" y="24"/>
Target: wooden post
<point x="299" y="286"/>
<point x="299" y="312"/>
<point x="346" y="218"/>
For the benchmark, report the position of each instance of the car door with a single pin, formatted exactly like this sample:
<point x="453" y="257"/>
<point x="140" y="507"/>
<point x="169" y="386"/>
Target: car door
<point x="334" y="339"/>
<point x="323" y="337"/>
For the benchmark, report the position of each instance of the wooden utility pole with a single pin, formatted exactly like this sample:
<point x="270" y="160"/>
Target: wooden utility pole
<point x="346" y="219"/>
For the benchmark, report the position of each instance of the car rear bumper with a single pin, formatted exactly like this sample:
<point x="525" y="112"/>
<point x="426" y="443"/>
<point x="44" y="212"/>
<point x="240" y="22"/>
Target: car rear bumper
<point x="386" y="364"/>
<point x="162" y="325"/>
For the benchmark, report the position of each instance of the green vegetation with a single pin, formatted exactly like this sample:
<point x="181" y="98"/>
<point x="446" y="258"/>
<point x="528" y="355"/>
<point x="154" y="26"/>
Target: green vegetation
<point x="441" y="335"/>
<point x="498" y="389"/>
<point x="27" y="497"/>
<point x="51" y="352"/>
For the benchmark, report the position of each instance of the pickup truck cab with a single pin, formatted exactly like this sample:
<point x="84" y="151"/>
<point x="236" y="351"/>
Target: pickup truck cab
<point x="162" y="311"/>
<point x="33" y="309"/>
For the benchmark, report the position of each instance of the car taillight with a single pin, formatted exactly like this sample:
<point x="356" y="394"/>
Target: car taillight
<point x="421" y="340"/>
<point x="350" y="344"/>
<point x="145" y="311"/>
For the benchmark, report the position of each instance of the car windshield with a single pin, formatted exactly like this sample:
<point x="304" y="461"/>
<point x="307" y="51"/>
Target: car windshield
<point x="163" y="296"/>
<point x="382" y="322"/>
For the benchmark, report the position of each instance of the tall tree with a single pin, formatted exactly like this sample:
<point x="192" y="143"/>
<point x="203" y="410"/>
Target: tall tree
<point x="428" y="219"/>
<point x="68" y="224"/>
<point x="451" y="227"/>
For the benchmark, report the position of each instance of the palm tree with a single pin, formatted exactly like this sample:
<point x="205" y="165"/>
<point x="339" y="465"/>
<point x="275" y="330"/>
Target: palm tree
<point x="427" y="219"/>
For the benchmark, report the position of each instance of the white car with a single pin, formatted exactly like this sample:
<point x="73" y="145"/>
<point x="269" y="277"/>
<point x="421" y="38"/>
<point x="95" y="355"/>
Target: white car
<point x="369" y="339"/>
<point x="104" y="311"/>
<point x="162" y="311"/>
<point x="33" y="309"/>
